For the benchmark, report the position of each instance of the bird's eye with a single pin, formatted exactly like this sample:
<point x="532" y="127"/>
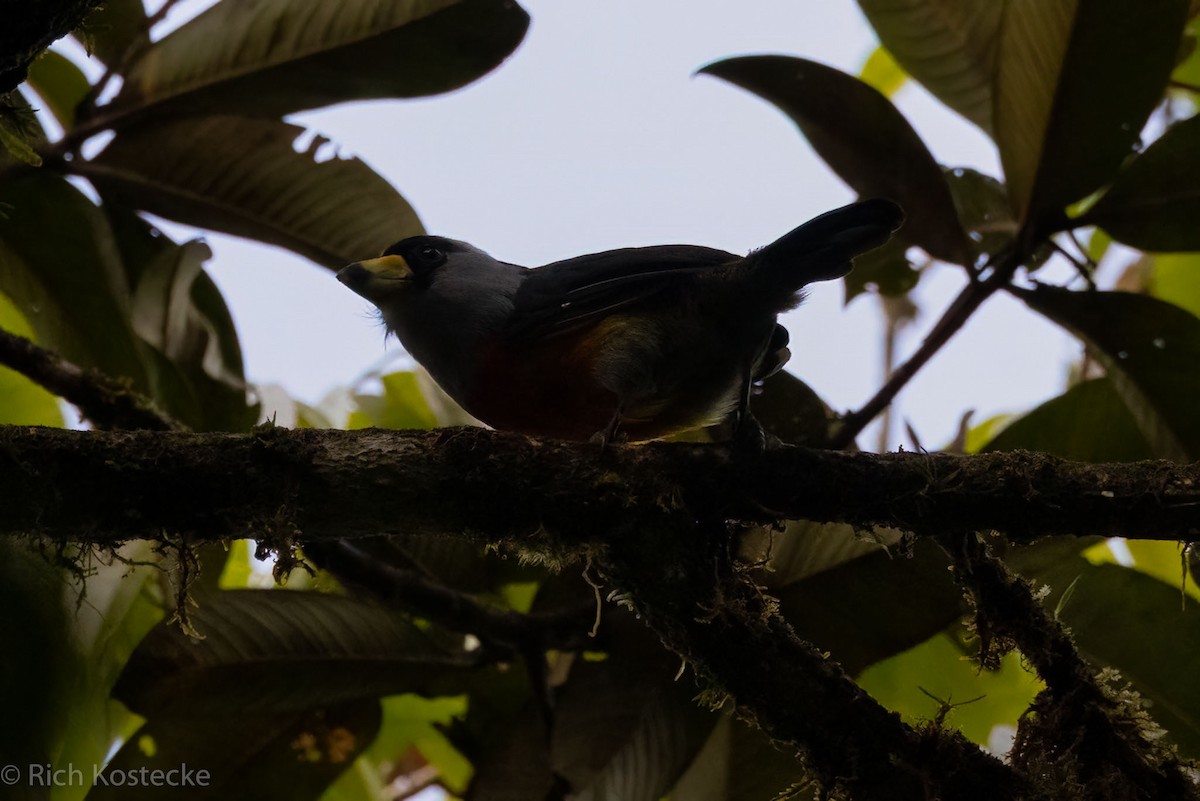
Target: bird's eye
<point x="429" y="254"/>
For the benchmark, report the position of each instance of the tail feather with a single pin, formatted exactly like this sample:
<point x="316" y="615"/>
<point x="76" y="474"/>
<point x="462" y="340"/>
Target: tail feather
<point x="824" y="247"/>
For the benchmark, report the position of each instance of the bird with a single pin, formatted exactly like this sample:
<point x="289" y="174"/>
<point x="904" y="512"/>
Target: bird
<point x="635" y="343"/>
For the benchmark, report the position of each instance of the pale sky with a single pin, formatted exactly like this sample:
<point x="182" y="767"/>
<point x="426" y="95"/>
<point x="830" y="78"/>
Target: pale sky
<point x="595" y="135"/>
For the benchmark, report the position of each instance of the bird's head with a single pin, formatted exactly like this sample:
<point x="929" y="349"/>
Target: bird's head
<point x="404" y="268"/>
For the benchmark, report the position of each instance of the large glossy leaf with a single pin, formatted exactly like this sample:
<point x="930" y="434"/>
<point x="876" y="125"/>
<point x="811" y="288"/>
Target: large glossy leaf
<point x="60" y="84"/>
<point x="280" y="56"/>
<point x="1151" y="351"/>
<point x="1125" y="619"/>
<point x="61" y="267"/>
<point x="1075" y="83"/>
<point x="1090" y="422"/>
<point x="273" y="651"/>
<point x="243" y="176"/>
<point x="863" y="138"/>
<point x="248" y="757"/>
<point x="947" y="45"/>
<point x="1154" y="203"/>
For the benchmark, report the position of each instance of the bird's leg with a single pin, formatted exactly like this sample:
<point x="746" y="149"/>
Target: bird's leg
<point x="604" y="437"/>
<point x="748" y="433"/>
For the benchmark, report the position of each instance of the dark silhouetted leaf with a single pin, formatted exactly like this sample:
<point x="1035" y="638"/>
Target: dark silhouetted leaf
<point x="60" y="83"/>
<point x="1154" y="203"/>
<point x="739" y="763"/>
<point x="243" y="176"/>
<point x="280" y="56"/>
<point x="1151" y="351"/>
<point x="863" y="138"/>
<point x="885" y="270"/>
<point x="947" y="45"/>
<point x="1089" y="422"/>
<point x="874" y="606"/>
<point x="983" y="207"/>
<point x="179" y="313"/>
<point x="1075" y="83"/>
<point x="242" y="757"/>
<point x="791" y="410"/>
<point x="61" y="267"/>
<point x="273" y="651"/>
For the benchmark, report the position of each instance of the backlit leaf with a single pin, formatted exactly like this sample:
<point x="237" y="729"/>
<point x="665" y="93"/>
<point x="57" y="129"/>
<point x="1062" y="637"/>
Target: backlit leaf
<point x="243" y="176"/>
<point x="947" y="45"/>
<point x="276" y="57"/>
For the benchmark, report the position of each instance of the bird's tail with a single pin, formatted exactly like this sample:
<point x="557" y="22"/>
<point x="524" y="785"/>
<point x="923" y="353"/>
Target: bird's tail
<point x="822" y="248"/>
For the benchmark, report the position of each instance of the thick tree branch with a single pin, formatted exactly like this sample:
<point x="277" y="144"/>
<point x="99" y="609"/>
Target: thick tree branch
<point x="105" y="402"/>
<point x="1110" y="754"/>
<point x="554" y="497"/>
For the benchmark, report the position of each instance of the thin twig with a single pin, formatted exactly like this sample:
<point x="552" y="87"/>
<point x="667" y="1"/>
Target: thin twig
<point x="971" y="298"/>
<point x="106" y="403"/>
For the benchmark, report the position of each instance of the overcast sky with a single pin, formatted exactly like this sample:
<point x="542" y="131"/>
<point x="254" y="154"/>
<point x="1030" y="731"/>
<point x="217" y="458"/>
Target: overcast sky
<point x="595" y="135"/>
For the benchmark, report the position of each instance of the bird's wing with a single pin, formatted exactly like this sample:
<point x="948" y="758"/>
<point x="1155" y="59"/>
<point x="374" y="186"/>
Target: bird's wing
<point x="566" y="294"/>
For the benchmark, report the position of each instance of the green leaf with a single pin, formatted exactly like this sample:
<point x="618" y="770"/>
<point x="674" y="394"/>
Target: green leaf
<point x="292" y="755"/>
<point x="269" y="651"/>
<point x="1154" y="203"/>
<point x="1115" y="614"/>
<point x="1175" y="278"/>
<point x="863" y="138"/>
<point x="1151" y="351"/>
<point x="60" y="83"/>
<point x="1089" y="423"/>
<point x="401" y="406"/>
<point x="882" y="73"/>
<point x="243" y="176"/>
<point x="1075" y="83"/>
<point x="61" y="266"/>
<point x="281" y="56"/>
<point x="113" y="28"/>
<point x="23" y="403"/>
<point x="937" y="667"/>
<point x="947" y="45"/>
